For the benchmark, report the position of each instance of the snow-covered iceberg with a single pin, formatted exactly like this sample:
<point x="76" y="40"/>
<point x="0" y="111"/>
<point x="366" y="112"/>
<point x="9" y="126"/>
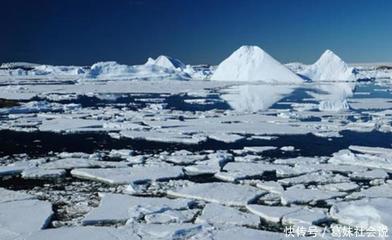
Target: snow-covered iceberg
<point x="150" y="70"/>
<point x="33" y="69"/>
<point x="166" y="62"/>
<point x="250" y="64"/>
<point x="329" y="67"/>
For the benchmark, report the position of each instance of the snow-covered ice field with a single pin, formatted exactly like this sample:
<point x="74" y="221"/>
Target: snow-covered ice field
<point x="248" y="149"/>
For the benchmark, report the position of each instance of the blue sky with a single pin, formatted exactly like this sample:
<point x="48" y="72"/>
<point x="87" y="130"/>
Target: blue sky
<point x="82" y="32"/>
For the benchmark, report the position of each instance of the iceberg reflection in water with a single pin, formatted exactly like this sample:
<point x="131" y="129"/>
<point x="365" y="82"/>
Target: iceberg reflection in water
<point x="256" y="97"/>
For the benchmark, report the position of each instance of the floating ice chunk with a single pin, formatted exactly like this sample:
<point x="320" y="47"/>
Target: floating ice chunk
<point x="169" y="137"/>
<point x="219" y="193"/>
<point x="208" y="167"/>
<point x="287" y="148"/>
<point x="211" y="166"/>
<point x="123" y="126"/>
<point x="121" y="153"/>
<point x="40" y="173"/>
<point x="32" y="107"/>
<point x="11" y="170"/>
<point x="136" y="174"/>
<point x="366" y="213"/>
<point x="9" y="196"/>
<point x="305" y="217"/>
<point x="320" y="177"/>
<point x="25" y="216"/>
<point x="346" y="157"/>
<point x="172" y="231"/>
<point x="284" y="171"/>
<point x="334" y="106"/>
<point x="235" y="171"/>
<point x="184" y="159"/>
<point x="217" y="214"/>
<point x="226" y="137"/>
<point x="170" y="216"/>
<point x="300" y="161"/>
<point x="371" y="150"/>
<point x="369" y="175"/>
<point x="271" y="214"/>
<point x="70" y="125"/>
<point x="120" y="207"/>
<point x="259" y="149"/>
<point x="235" y="233"/>
<point x="71" y="163"/>
<point x="340" y="187"/>
<point x="382" y="191"/>
<point x="371" y="103"/>
<point x="86" y="233"/>
<point x="300" y="195"/>
<point x="271" y="186"/>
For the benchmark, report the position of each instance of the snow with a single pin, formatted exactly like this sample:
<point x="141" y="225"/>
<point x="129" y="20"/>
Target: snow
<point x="170" y="216"/>
<point x="70" y="163"/>
<point x="366" y="213"/>
<point x="39" y="173"/>
<point x="235" y="171"/>
<point x="250" y="64"/>
<point x="259" y="149"/>
<point x="235" y="233"/>
<point x="24" y="216"/>
<point x="152" y="169"/>
<point x="172" y="231"/>
<point x="320" y="177"/>
<point x="166" y="62"/>
<point x="210" y="166"/>
<point x="216" y="214"/>
<point x="136" y="174"/>
<point x="346" y="157"/>
<point x="218" y="193"/>
<point x="298" y="194"/>
<point x="11" y="170"/>
<point x="120" y="208"/>
<point x="271" y="214"/>
<point x="340" y="187"/>
<point x="88" y="233"/>
<point x="329" y="67"/>
<point x="9" y="196"/>
<point x="305" y="217"/>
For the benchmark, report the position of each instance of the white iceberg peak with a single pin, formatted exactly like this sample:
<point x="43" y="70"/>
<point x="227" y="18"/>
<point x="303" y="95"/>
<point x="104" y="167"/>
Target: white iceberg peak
<point x="166" y="62"/>
<point x="329" y="67"/>
<point x="251" y="63"/>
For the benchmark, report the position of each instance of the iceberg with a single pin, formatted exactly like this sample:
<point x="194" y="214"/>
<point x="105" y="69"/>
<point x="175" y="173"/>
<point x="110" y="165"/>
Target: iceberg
<point x="166" y="62"/>
<point x="250" y="64"/>
<point x="156" y="70"/>
<point x="329" y="67"/>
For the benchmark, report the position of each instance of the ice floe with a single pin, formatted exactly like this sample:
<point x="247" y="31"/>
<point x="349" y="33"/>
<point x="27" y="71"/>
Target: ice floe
<point x="219" y="193"/>
<point x="23" y="217"/>
<point x="217" y="214"/>
<point x="366" y="213"/>
<point x="136" y="174"/>
<point x="121" y="208"/>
